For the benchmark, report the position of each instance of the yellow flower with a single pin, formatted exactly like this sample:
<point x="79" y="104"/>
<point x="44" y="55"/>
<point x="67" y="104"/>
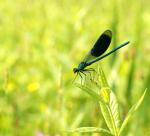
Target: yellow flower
<point x="32" y="87"/>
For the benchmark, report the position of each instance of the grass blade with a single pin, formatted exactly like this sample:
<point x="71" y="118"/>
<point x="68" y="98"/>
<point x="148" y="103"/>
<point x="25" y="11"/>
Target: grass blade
<point x="89" y="91"/>
<point x="110" y="109"/>
<point x="130" y="113"/>
<point x="111" y="115"/>
<point x="91" y="130"/>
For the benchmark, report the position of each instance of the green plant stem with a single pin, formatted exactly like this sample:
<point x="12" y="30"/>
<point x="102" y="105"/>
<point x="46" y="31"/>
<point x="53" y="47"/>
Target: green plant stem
<point x="113" y="121"/>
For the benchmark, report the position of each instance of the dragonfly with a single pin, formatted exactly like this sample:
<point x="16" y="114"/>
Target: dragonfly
<point x="96" y="53"/>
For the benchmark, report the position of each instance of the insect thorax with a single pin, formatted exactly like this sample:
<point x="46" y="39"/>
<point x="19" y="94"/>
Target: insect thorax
<point x="82" y="65"/>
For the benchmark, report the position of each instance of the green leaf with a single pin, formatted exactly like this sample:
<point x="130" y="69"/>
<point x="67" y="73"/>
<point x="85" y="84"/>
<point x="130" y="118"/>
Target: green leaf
<point x="111" y="115"/>
<point x="105" y="90"/>
<point x="89" y="91"/>
<point x="109" y="107"/>
<point x="78" y="119"/>
<point x="130" y="113"/>
<point x="91" y="130"/>
<point x="102" y="78"/>
<point x="105" y="94"/>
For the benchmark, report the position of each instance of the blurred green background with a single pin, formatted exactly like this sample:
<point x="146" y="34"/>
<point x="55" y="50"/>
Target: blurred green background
<point x="42" y="41"/>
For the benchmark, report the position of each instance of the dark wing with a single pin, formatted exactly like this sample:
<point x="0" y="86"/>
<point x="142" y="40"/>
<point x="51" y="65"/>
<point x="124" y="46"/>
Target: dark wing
<point x="100" y="46"/>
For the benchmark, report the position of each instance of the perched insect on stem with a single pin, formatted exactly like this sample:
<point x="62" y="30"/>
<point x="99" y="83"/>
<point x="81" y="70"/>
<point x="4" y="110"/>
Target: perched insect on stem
<point x="95" y="53"/>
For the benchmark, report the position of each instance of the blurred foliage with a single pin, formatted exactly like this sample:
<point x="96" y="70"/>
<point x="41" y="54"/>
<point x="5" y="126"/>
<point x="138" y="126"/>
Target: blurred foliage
<point x="42" y="41"/>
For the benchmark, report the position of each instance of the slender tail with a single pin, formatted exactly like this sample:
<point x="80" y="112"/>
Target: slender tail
<point x="107" y="54"/>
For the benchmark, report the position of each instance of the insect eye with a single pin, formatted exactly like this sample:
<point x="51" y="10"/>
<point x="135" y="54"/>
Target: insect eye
<point x="75" y="70"/>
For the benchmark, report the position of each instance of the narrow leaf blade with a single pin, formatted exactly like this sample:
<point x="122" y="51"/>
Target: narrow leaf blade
<point x="89" y="91"/>
<point x="130" y="113"/>
<point x="111" y="115"/>
<point x="91" y="130"/>
<point x="109" y="108"/>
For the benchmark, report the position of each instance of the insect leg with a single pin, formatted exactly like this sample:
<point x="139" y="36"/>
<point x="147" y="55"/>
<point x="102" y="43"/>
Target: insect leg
<point x="88" y="71"/>
<point x="91" y="69"/>
<point x="94" y="71"/>
<point x="83" y="74"/>
<point x="81" y="77"/>
<point x="75" y="78"/>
